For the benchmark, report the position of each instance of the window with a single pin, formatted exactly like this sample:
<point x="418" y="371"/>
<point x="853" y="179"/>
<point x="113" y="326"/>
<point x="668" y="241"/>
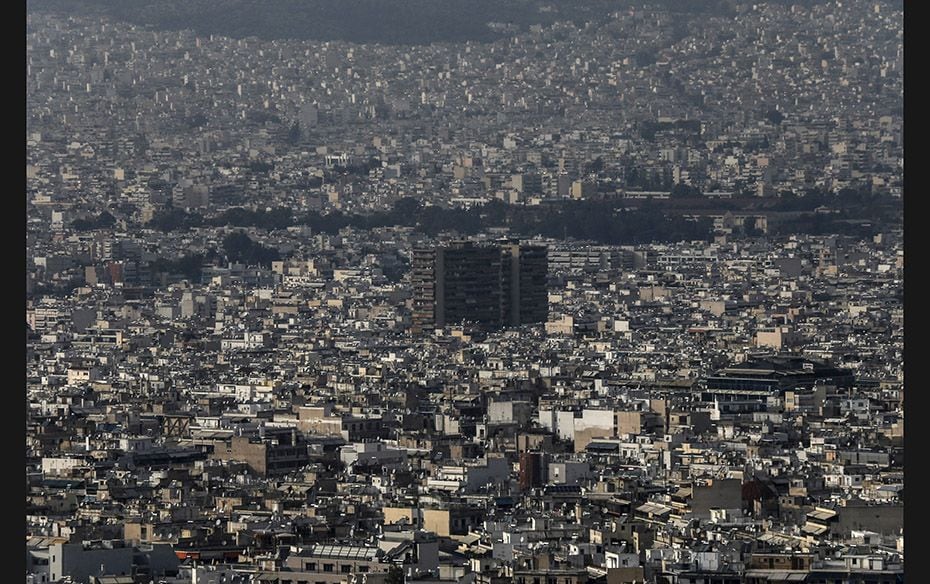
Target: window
<point x="310" y="567"/>
<point x="327" y="567"/>
<point x="346" y="568"/>
<point x="363" y="569"/>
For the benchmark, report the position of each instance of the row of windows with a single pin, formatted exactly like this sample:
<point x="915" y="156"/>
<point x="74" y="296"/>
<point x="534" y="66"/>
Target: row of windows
<point x="550" y="580"/>
<point x="344" y="569"/>
<point x="362" y="426"/>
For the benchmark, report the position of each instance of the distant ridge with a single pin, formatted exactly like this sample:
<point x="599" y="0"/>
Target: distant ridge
<point x="363" y="21"/>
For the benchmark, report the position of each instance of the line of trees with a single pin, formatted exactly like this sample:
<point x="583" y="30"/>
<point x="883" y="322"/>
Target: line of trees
<point x="102" y="221"/>
<point x="601" y="220"/>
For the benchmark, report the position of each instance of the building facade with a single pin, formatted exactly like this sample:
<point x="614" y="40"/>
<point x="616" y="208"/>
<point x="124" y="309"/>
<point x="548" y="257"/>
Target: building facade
<point x="492" y="286"/>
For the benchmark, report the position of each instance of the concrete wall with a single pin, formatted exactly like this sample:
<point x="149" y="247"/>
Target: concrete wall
<point x="595" y="419"/>
<point x="437" y="521"/>
<point x="583" y="437"/>
<point x="628" y="422"/>
<point x="625" y="575"/>
<point x="71" y="559"/>
<point x="884" y="519"/>
<point x="568" y="473"/>
<point x="395" y="514"/>
<point x="242" y="450"/>
<point x="565" y="425"/>
<point x="500" y="411"/>
<point x="721" y="494"/>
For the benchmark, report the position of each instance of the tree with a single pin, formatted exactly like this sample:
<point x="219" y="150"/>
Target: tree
<point x="261" y="167"/>
<point x="406" y="208"/>
<point x="741" y="189"/>
<point x="239" y="247"/>
<point x="105" y="219"/>
<point x="774" y="116"/>
<point x="191" y="266"/>
<point x="683" y="191"/>
<point x="197" y="120"/>
<point x="102" y="221"/>
<point x="293" y="135"/>
<point x="595" y="166"/>
<point x="174" y="219"/>
<point x="82" y="225"/>
<point x="645" y="57"/>
<point x="395" y="576"/>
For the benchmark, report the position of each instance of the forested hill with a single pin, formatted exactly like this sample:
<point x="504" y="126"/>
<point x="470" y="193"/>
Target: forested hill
<point x="363" y="21"/>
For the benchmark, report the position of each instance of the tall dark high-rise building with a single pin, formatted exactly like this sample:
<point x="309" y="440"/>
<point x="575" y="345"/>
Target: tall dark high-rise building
<point x="456" y="283"/>
<point x="524" y="275"/>
<point x="490" y="285"/>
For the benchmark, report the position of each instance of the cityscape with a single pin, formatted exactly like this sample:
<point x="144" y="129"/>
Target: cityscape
<point x="529" y="292"/>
